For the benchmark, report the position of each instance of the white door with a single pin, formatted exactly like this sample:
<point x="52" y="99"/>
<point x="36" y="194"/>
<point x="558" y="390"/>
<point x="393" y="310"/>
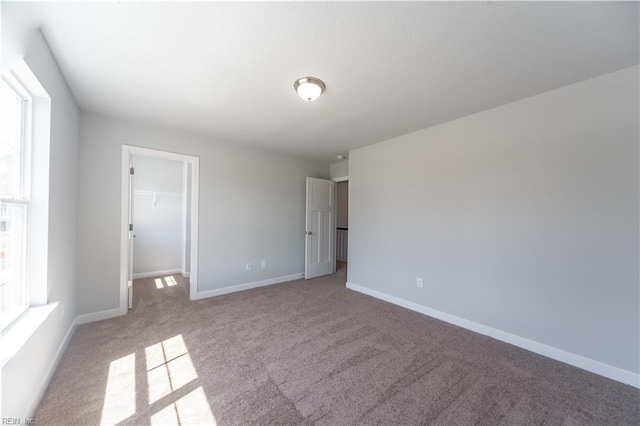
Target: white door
<point x="319" y="247"/>
<point x="131" y="236"/>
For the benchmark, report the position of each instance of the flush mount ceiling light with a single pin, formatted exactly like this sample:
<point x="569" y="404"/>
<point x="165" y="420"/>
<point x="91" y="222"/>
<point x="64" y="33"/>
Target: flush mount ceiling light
<point x="309" y="88"/>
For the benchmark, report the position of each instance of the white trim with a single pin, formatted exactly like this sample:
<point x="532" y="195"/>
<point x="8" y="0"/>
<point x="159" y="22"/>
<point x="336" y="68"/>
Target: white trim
<point x="575" y="360"/>
<point x="124" y="219"/>
<point x="157" y="273"/>
<point x="193" y="254"/>
<point x="186" y="274"/>
<point x="35" y="123"/>
<point x="340" y="179"/>
<point x="102" y="315"/>
<point x="37" y="397"/>
<point x="247" y="286"/>
<point x="124" y="234"/>
<point x="183" y="251"/>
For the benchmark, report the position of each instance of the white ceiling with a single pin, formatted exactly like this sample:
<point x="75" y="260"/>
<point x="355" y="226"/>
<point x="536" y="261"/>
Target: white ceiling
<point x="226" y="70"/>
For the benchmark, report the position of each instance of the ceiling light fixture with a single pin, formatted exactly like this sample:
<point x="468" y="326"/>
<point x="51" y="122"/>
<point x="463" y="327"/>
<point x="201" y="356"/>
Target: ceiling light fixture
<point x="309" y="88"/>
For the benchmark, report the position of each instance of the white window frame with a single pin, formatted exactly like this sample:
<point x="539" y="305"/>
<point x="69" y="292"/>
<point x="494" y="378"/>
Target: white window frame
<point x="24" y="199"/>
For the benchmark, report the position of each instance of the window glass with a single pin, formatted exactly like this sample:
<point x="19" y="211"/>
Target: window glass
<point x="10" y="142"/>
<point x="14" y="209"/>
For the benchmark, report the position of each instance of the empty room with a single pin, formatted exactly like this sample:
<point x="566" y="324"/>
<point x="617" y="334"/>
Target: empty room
<point x="332" y="213"/>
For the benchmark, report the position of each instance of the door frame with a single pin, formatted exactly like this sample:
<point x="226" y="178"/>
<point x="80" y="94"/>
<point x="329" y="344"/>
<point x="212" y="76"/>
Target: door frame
<point x="128" y="150"/>
<point x="335" y="215"/>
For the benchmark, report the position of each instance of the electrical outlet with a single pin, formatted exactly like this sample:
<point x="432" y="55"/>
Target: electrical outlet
<point x="264" y="264"/>
<point x="248" y="266"/>
<point x="419" y="283"/>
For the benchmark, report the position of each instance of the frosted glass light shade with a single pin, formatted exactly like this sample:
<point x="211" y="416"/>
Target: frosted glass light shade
<point x="309" y="88"/>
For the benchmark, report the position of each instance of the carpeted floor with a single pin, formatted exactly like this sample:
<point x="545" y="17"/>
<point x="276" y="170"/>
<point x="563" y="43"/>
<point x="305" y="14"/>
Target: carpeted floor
<point x="310" y="353"/>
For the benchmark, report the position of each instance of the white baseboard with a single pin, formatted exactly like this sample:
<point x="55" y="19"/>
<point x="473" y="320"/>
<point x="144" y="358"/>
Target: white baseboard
<point x="597" y="367"/>
<point x="157" y="273"/>
<point x="186" y="274"/>
<point x="247" y="286"/>
<point x="37" y="397"/>
<point x="99" y="316"/>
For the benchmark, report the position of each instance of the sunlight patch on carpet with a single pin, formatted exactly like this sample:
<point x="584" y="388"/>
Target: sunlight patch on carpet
<point x="169" y="367"/>
<point x="191" y="409"/>
<point x="120" y="394"/>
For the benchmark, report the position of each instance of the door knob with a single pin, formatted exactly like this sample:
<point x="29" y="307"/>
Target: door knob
<point x="309" y="233"/>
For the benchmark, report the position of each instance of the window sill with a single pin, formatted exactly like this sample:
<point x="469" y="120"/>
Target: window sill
<point x="16" y="335"/>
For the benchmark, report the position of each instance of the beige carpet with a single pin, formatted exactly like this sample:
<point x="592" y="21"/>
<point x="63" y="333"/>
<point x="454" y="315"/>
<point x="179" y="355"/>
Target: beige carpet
<point x="310" y="353"/>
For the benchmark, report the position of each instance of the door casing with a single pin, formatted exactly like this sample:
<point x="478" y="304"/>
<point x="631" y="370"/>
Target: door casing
<point x="194" y="162"/>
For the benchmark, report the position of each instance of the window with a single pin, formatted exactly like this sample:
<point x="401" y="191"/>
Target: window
<point x="15" y="110"/>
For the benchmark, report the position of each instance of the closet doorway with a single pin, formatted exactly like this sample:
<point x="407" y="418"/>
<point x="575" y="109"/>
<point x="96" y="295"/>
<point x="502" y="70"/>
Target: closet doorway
<point x="159" y="205"/>
<point x="159" y="219"/>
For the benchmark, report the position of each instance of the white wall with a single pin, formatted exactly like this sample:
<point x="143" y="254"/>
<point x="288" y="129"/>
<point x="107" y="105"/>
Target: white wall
<point x="340" y="169"/>
<point x="251" y="208"/>
<point x="159" y="228"/>
<point x="523" y="218"/>
<point x="26" y="375"/>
